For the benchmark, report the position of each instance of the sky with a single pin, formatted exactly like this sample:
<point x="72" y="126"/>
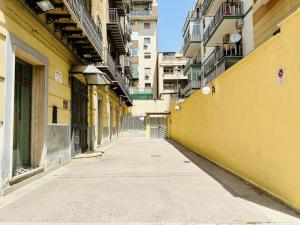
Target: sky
<point x="172" y="14"/>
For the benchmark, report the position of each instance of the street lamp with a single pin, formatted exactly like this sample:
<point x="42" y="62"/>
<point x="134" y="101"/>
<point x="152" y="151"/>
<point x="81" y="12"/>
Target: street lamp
<point x="45" y="5"/>
<point x="93" y="76"/>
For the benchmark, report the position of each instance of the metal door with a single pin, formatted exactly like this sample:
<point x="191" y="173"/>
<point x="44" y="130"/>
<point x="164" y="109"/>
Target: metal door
<point x="79" y="115"/>
<point x="22" y="117"/>
<point x="158" y="127"/>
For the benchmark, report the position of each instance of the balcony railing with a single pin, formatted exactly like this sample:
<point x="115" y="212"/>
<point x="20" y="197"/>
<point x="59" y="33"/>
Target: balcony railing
<point x="112" y="67"/>
<point x="189" y="64"/>
<point x="226" y="10"/>
<point x="122" y="82"/>
<point x="191" y="15"/>
<point x="229" y="50"/>
<point x="194" y="37"/>
<point x="193" y="84"/>
<point x="140" y="12"/>
<point x="82" y="15"/>
<point x="205" y="5"/>
<point x="222" y="51"/>
<point x="114" y="15"/>
<point x="141" y="93"/>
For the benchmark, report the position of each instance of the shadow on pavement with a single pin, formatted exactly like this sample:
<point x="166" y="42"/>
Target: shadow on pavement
<point x="235" y="185"/>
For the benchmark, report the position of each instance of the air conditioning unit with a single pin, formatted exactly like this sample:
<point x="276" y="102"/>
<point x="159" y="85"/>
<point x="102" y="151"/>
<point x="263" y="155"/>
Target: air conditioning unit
<point x="146" y="45"/>
<point x="239" y="24"/>
<point x="226" y="38"/>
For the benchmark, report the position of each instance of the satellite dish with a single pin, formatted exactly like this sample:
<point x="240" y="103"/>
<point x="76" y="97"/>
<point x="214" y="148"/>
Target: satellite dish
<point x="206" y="90"/>
<point x="234" y="38"/>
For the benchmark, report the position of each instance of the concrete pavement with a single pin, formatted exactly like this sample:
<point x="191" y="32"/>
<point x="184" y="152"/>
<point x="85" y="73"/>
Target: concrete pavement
<point x="141" y="182"/>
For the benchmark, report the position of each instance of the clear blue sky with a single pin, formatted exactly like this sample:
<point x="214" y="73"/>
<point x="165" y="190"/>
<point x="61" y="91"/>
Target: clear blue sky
<point x="171" y="18"/>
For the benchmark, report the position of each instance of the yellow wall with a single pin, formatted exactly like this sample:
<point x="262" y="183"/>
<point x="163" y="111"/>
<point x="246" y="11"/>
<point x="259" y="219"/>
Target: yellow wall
<point x="267" y="18"/>
<point x="251" y="125"/>
<point x="19" y="22"/>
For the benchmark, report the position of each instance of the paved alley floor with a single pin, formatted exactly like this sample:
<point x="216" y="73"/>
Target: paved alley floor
<point x="141" y="182"/>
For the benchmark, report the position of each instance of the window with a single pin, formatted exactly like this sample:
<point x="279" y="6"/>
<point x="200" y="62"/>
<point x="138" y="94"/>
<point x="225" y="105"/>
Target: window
<point x="147" y="84"/>
<point x="147" y="71"/>
<point x="147" y="55"/>
<point x="134" y="52"/>
<point x="168" y="70"/>
<point x="135" y="36"/>
<point x="146" y="25"/>
<point x="146" y="40"/>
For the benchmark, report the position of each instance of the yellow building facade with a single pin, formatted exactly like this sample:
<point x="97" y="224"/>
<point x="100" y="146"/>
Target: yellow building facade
<point x="44" y="106"/>
<point x="249" y="124"/>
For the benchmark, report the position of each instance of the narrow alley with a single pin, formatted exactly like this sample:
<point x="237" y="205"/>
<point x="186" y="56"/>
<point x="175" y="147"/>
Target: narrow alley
<point x="142" y="181"/>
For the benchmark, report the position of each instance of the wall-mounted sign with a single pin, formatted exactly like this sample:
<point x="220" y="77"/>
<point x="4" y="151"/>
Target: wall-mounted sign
<point x="280" y="76"/>
<point x="58" y="76"/>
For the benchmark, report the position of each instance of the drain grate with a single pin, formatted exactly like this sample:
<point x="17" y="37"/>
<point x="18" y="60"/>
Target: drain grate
<point x="155" y="156"/>
<point x="187" y="161"/>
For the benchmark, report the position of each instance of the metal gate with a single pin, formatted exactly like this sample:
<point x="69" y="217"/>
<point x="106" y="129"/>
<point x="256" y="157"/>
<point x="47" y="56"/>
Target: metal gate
<point x="79" y="115"/>
<point x="158" y="127"/>
<point x="134" y="126"/>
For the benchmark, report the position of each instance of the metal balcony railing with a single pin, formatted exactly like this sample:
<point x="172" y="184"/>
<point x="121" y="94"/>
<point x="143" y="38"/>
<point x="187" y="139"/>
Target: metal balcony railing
<point x="222" y="51"/>
<point x="189" y="64"/>
<point x="193" y="84"/>
<point x="114" y="15"/>
<point x="229" y="50"/>
<point x="194" y="37"/>
<point x="206" y="4"/>
<point x="122" y="82"/>
<point x="87" y="24"/>
<point x="192" y="14"/>
<point x="112" y="66"/>
<point x="227" y="9"/>
<point x="140" y="12"/>
<point x="141" y="93"/>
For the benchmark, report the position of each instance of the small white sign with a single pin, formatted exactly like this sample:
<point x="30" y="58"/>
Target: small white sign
<point x="281" y="76"/>
<point x="58" y="76"/>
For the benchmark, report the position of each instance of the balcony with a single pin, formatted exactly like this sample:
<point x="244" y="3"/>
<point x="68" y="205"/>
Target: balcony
<point x="222" y="59"/>
<point x="121" y="5"/>
<point x="192" y="39"/>
<point x="191" y="66"/>
<point x="72" y="25"/>
<point x="210" y="7"/>
<point x="109" y="66"/>
<point x="192" y="15"/>
<point x="191" y="87"/>
<point x="115" y="30"/>
<point x="140" y="12"/>
<point x="127" y="66"/>
<point x="223" y="23"/>
<point x="138" y="93"/>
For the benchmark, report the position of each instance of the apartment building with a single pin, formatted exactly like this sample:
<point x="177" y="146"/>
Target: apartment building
<point x="64" y="81"/>
<point x="217" y="34"/>
<point x="143" y="17"/>
<point x="171" y="78"/>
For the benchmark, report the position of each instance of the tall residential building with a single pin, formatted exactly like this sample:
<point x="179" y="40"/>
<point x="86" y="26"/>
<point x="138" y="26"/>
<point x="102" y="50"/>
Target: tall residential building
<point x="143" y="19"/>
<point x="171" y="78"/>
<point x="64" y="81"/>
<point x="218" y="33"/>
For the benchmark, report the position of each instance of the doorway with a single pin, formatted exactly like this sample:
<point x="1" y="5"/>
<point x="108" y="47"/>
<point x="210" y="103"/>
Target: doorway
<point x="158" y="127"/>
<point x="22" y="117"/>
<point x="79" y="116"/>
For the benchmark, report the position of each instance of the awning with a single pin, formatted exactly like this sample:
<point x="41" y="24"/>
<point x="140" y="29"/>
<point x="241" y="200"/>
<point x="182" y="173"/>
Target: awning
<point x="93" y="75"/>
